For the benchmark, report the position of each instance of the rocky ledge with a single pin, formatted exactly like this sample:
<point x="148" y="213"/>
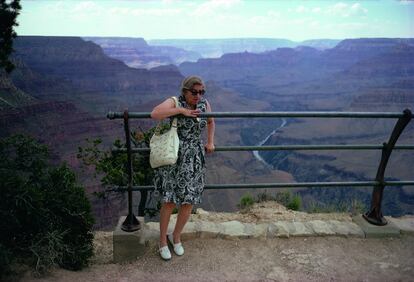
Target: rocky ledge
<point x="270" y="220"/>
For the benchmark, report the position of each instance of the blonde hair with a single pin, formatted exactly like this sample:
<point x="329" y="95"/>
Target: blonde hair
<point x="189" y="82"/>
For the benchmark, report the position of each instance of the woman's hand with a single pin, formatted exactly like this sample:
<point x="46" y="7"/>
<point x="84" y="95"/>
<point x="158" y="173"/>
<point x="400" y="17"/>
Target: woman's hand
<point x="190" y="113"/>
<point x="209" y="147"/>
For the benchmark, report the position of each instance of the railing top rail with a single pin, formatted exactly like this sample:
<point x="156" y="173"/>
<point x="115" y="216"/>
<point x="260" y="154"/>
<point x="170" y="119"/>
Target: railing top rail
<point x="278" y="185"/>
<point x="117" y="115"/>
<point x="287" y="147"/>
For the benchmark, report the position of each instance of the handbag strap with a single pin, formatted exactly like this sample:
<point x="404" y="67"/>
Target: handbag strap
<point x="174" y="123"/>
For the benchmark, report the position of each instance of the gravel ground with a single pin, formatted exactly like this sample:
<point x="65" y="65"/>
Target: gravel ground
<point x="269" y="211"/>
<point x="293" y="259"/>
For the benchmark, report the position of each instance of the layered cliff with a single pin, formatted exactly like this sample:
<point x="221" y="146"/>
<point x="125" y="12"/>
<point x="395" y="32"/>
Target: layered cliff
<point x="11" y="96"/>
<point x="215" y="48"/>
<point x="136" y="53"/>
<point x="95" y="78"/>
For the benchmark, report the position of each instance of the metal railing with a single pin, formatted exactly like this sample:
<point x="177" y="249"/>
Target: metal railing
<point x="374" y="215"/>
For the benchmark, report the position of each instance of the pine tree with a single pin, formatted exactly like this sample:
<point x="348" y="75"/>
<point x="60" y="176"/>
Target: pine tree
<point x="9" y="10"/>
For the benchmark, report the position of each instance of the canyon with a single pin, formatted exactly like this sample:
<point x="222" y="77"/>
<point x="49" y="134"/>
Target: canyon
<point x="63" y="88"/>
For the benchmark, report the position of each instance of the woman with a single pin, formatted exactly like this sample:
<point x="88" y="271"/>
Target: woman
<point x="182" y="183"/>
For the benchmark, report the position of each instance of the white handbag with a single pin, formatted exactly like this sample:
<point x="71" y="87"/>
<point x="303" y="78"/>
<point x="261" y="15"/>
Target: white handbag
<point x="164" y="147"/>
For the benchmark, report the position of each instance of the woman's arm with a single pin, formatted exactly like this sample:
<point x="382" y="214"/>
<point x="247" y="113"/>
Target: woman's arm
<point x="168" y="109"/>
<point x="211" y="126"/>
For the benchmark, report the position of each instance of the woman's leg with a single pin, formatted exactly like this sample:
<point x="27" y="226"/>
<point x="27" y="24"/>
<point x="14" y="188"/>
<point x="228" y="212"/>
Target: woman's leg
<point x="182" y="218"/>
<point x="165" y="213"/>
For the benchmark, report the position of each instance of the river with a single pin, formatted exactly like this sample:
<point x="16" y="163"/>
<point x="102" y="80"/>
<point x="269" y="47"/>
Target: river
<point x="256" y="153"/>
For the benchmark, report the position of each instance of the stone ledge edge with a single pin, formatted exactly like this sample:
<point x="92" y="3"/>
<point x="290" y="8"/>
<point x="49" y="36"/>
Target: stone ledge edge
<point x="278" y="229"/>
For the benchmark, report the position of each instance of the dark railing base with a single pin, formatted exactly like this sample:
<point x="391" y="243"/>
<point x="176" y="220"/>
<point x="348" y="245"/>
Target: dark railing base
<point x="380" y="221"/>
<point x="131" y="224"/>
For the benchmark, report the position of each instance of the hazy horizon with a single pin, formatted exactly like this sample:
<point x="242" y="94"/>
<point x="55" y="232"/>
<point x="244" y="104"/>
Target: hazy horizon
<point x="223" y="38"/>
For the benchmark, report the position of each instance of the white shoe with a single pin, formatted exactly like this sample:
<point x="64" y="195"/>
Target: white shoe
<point x="165" y="253"/>
<point x="178" y="248"/>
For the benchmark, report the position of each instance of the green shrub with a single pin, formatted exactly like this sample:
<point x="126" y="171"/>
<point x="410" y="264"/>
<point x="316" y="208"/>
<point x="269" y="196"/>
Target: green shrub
<point x="295" y="203"/>
<point x="246" y="201"/>
<point x="5" y="260"/>
<point x="290" y="201"/>
<point x="112" y="170"/>
<point x="45" y="216"/>
<point x="353" y="206"/>
<point x="264" y="196"/>
<point x="316" y="207"/>
<point x="357" y="207"/>
<point x="283" y="197"/>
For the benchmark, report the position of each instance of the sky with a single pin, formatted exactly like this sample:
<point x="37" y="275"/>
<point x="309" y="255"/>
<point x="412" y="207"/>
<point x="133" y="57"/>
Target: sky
<point x="186" y="19"/>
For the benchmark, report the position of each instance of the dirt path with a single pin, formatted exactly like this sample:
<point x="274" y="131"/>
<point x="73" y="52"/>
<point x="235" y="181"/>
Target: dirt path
<point x="293" y="259"/>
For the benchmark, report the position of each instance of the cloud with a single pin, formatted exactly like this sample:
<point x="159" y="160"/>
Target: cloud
<point x="357" y="9"/>
<point x="258" y="20"/>
<point x="346" y="10"/>
<point x="301" y="9"/>
<point x="93" y="8"/>
<point x="119" y="11"/>
<point x="212" y="6"/>
<point x="87" y="7"/>
<point x="55" y="7"/>
<point x="315" y="24"/>
<point x="406" y="2"/>
<point x="274" y="14"/>
<point x="301" y="21"/>
<point x="338" y="9"/>
<point x="168" y="2"/>
<point x="316" y="10"/>
<point x="155" y="12"/>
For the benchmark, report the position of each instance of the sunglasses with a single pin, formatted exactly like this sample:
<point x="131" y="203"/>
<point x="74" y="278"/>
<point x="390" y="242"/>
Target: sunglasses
<point x="195" y="92"/>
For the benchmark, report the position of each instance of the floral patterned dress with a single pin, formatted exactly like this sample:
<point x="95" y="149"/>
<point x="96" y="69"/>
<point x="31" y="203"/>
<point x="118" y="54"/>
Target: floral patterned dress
<point x="183" y="182"/>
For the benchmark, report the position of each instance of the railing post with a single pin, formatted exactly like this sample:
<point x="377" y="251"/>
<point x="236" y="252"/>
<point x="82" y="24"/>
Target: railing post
<point x="131" y="223"/>
<point x="374" y="215"/>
